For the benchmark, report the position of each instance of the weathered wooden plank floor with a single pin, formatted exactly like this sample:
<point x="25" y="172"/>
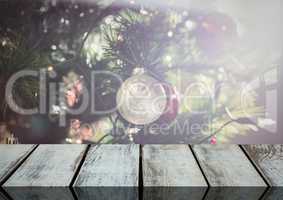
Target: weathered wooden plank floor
<point x="229" y="172"/>
<point x="141" y="172"/>
<point x="48" y="166"/>
<point x="115" y="166"/>
<point x="166" y="166"/>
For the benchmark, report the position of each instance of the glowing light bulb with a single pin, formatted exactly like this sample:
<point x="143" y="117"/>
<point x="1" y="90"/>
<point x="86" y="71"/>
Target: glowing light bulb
<point x="190" y="25"/>
<point x="168" y="58"/>
<point x="68" y="140"/>
<point x="120" y="38"/>
<point x="143" y="12"/>
<point x="108" y="20"/>
<point x="170" y="34"/>
<point x="78" y="141"/>
<point x="4" y="42"/>
<point x="50" y="68"/>
<point x="53" y="47"/>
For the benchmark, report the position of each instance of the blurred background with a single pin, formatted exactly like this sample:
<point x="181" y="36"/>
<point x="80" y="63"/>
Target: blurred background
<point x="231" y="51"/>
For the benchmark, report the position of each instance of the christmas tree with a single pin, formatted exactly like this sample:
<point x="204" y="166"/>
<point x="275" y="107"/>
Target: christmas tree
<point x="187" y="51"/>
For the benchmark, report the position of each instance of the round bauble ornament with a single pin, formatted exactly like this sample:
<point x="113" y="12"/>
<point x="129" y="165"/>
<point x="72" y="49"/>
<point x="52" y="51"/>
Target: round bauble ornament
<point x="141" y="99"/>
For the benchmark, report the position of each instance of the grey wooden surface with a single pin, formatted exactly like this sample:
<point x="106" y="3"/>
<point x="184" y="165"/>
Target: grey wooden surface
<point x="10" y="156"/>
<point x="48" y="166"/>
<point x="164" y="171"/>
<point x="170" y="165"/>
<point x="227" y="165"/>
<point x="269" y="160"/>
<point x="111" y="166"/>
<point x="166" y="166"/>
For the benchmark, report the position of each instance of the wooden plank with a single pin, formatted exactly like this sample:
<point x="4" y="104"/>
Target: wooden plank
<point x="109" y="172"/>
<point x="269" y="160"/>
<point x="11" y="156"/>
<point x="110" y="165"/>
<point x="49" y="165"/>
<point x="171" y="172"/>
<point x="229" y="172"/>
<point x="46" y="174"/>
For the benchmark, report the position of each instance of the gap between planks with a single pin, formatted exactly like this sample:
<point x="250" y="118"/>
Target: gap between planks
<point x="140" y="181"/>
<point x="18" y="165"/>
<point x="79" y="167"/>
<point x="259" y="172"/>
<point x="140" y="166"/>
<point x="205" y="178"/>
<point x="256" y="167"/>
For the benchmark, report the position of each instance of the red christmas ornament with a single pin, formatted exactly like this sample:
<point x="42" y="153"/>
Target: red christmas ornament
<point x="214" y="32"/>
<point x="172" y="106"/>
<point x="213" y="140"/>
<point x="143" y="100"/>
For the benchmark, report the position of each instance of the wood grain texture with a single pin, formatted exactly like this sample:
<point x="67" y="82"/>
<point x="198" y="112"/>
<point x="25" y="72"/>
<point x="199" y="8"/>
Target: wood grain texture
<point x="170" y="165"/>
<point x="170" y="172"/>
<point x="46" y="174"/>
<point x="109" y="172"/>
<point x="227" y="165"/>
<point x="11" y="156"/>
<point x="49" y="165"/>
<point x="269" y="160"/>
<point x="110" y="165"/>
<point x="229" y="172"/>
